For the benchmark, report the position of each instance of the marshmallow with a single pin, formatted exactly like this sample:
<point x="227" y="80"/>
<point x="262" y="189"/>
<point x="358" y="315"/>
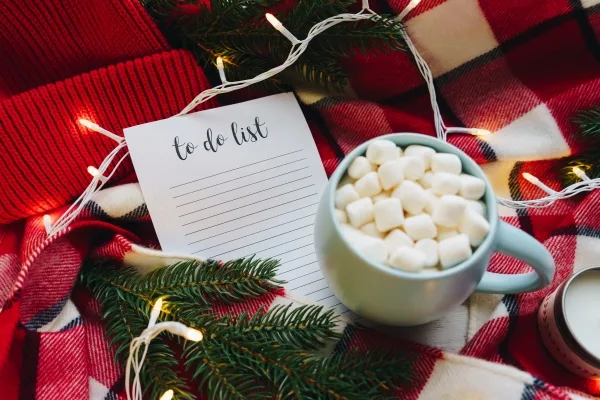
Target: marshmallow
<point x="374" y="249"/>
<point x="420" y="227"/>
<point x="423" y="152"/>
<point x="426" y="180"/>
<point x="359" y="167"/>
<point x="390" y="174"/>
<point x="397" y="238"/>
<point x="345" y="195"/>
<point x="471" y="187"/>
<point x="413" y="168"/>
<point x="346" y="180"/>
<point x="388" y="214"/>
<point x="454" y="250"/>
<point x="474" y="226"/>
<point x="432" y="200"/>
<point x="381" y="196"/>
<point x="407" y="259"/>
<point x="445" y="183"/>
<point x="368" y="185"/>
<point x="412" y="196"/>
<point x="449" y="210"/>
<point x="360" y="212"/>
<point x="371" y="230"/>
<point x="446" y="162"/>
<point x="381" y="151"/>
<point x="445" y="233"/>
<point x="477" y="206"/>
<point x="341" y="216"/>
<point x="429" y="248"/>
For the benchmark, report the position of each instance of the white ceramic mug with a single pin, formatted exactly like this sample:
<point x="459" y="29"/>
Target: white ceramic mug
<point x="394" y="297"/>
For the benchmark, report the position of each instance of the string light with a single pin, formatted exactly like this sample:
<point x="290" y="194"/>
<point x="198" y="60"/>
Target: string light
<point x="532" y="179"/>
<point x="94" y="173"/>
<point x="47" y="223"/>
<point x="580" y="174"/>
<point x="282" y="29"/>
<point x="221" y="69"/>
<point x="298" y="47"/>
<point x="135" y="362"/>
<point x="97" y="128"/>
<point x="168" y="395"/>
<point x="586" y="185"/>
<point x="470" y="131"/>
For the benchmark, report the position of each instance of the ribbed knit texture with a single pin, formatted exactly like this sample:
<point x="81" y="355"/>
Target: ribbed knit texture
<point x="45" y="151"/>
<point x="47" y="41"/>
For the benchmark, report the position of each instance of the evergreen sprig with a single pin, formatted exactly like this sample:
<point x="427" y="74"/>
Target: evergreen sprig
<point x="274" y="354"/>
<point x="588" y="122"/>
<point x="236" y="30"/>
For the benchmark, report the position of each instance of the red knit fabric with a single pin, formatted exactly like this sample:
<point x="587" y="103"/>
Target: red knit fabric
<point x="46" y="41"/>
<point x="48" y="150"/>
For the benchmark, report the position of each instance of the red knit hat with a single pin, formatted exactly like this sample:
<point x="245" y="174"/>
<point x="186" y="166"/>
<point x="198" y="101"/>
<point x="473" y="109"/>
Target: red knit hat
<point x="103" y="60"/>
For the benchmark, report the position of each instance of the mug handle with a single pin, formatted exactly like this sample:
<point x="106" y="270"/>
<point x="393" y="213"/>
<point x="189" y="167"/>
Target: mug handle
<point x="516" y="243"/>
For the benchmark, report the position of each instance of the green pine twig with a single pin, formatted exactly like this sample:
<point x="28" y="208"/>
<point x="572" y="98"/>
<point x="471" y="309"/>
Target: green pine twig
<point x="237" y="31"/>
<point x="273" y="354"/>
<point x="588" y="122"/>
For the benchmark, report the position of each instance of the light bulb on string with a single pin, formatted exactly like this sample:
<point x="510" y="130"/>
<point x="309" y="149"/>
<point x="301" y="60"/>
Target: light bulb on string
<point x="221" y="69"/>
<point x="97" y="128"/>
<point x="155" y="312"/>
<point x="47" y="223"/>
<point x="168" y="395"/>
<point x="282" y="29"/>
<point x="580" y="174"/>
<point x="470" y="131"/>
<point x="194" y="335"/>
<point x="532" y="179"/>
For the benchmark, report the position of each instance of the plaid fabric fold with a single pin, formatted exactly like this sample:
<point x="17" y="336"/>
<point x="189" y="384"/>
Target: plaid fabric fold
<point x="518" y="68"/>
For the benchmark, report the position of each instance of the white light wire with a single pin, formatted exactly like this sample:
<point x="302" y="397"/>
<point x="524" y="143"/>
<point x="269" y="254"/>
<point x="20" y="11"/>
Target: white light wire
<point x="298" y="47"/>
<point x="135" y="362"/>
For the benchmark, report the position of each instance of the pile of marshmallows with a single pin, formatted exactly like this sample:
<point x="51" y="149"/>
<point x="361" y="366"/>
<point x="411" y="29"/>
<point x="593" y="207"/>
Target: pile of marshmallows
<point x="413" y="210"/>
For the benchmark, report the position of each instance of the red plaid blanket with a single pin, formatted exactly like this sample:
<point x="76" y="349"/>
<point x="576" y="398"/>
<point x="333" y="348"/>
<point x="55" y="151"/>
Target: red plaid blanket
<point x="517" y="68"/>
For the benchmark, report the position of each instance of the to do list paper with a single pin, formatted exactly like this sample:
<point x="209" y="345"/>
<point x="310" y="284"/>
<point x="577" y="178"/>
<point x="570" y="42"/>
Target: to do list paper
<point x="235" y="181"/>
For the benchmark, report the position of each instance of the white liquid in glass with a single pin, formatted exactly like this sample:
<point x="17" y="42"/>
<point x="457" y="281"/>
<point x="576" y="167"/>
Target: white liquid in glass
<point x="582" y="310"/>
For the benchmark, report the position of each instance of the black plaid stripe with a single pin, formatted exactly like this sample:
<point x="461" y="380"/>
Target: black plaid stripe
<point x="515" y="193"/>
<point x="31" y="352"/>
<point x="581" y="17"/>
<point x="135" y="215"/>
<point x="511" y="304"/>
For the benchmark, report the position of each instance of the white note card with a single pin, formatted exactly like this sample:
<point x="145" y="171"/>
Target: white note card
<point x="234" y="181"/>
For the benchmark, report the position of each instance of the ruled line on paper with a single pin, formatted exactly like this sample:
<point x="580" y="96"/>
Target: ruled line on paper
<point x="203" y="176"/>
<point x="297" y="258"/>
<point x="266" y="229"/>
<point x="235" y="219"/>
<point x="243" y="186"/>
<point x="241" y="237"/>
<point x="247" y="205"/>
<point x="293" y="269"/>
<point x="245" y="176"/>
<point x="225" y="212"/>
<point x="269" y="248"/>
<point x="289" y="251"/>
<point x="306" y="284"/>
<point x="233" y="169"/>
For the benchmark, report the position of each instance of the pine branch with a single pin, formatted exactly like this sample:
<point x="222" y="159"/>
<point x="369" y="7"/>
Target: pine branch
<point x="588" y="162"/>
<point x="268" y="355"/>
<point x="236" y="30"/>
<point x="589" y="122"/>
